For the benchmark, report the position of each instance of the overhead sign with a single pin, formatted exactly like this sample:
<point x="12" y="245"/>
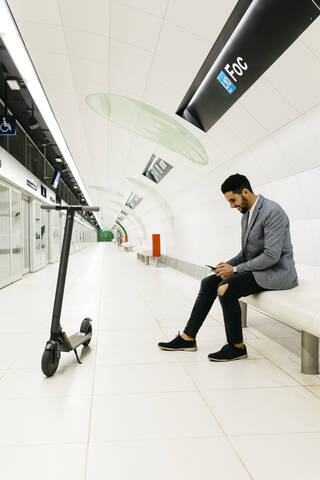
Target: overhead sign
<point x="7" y="125"/>
<point x="255" y="35"/>
<point x="32" y="185"/>
<point x="156" y="169"/>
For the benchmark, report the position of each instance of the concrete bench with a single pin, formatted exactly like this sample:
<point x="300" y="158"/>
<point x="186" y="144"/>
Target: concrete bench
<point x="127" y="247"/>
<point x="145" y="255"/>
<point x="298" y="308"/>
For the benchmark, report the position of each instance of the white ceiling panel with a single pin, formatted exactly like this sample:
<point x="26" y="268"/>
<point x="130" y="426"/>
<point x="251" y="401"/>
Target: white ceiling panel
<point x="226" y="139"/>
<point x="311" y="37"/>
<point x="87" y="45"/>
<point x="53" y="82"/>
<point x="215" y="154"/>
<point x="162" y="97"/>
<point x="134" y="26"/>
<point x="171" y="75"/>
<point x="124" y="83"/>
<point x="43" y="11"/>
<point x="155" y="7"/>
<point x="52" y="37"/>
<point x="48" y="64"/>
<point x="151" y="50"/>
<point x="182" y="47"/>
<point x="312" y="121"/>
<point x="298" y="146"/>
<point x="89" y="77"/>
<point x="244" y="125"/>
<point x="204" y="17"/>
<point x="135" y="60"/>
<point x="92" y="16"/>
<point x="263" y="100"/>
<point x="296" y="76"/>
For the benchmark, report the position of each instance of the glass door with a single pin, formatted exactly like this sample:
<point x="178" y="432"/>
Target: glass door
<point x="44" y="237"/>
<point x="4" y="235"/>
<point x="26" y="234"/>
<point x="35" y="245"/>
<point x="16" y="237"/>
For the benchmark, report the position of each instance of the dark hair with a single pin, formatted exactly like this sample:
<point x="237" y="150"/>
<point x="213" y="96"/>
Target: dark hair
<point x="236" y="183"/>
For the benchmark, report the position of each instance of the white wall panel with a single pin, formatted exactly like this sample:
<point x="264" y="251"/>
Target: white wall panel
<point x="264" y="102"/>
<point x="295" y="76"/>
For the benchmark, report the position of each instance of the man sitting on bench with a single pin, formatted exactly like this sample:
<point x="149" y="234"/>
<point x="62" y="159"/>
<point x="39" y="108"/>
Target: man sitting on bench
<point x="265" y="262"/>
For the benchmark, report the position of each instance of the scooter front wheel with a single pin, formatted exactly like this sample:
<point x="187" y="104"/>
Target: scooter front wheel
<point x="86" y="327"/>
<point x="50" y="361"/>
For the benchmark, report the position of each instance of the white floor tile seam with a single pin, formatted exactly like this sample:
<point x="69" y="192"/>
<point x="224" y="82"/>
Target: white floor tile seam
<point x="93" y="377"/>
<point x="6" y="370"/>
<point x="227" y="438"/>
<point x="146" y="305"/>
<point x="275" y="434"/>
<point x="278" y="366"/>
<point x="44" y="444"/>
<point x="217" y="421"/>
<point x="125" y="328"/>
<point x="265" y="387"/>
<point x="143" y="393"/>
<point x="155" y="439"/>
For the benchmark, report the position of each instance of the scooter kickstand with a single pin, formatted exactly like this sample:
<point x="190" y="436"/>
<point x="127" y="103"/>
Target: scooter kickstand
<point x="77" y="356"/>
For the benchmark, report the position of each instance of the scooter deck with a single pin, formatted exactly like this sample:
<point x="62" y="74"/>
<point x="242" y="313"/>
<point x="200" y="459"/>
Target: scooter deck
<point x="78" y="339"/>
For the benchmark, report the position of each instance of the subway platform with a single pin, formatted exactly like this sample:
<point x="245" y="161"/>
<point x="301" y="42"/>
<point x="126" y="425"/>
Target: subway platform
<point x="134" y="411"/>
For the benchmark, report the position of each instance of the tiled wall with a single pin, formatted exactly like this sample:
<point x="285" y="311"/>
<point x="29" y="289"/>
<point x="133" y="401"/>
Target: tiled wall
<point x="285" y="167"/>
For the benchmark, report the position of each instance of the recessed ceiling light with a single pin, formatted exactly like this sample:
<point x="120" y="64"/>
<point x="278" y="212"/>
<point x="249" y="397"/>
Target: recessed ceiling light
<point x="13" y="83"/>
<point x="133" y="200"/>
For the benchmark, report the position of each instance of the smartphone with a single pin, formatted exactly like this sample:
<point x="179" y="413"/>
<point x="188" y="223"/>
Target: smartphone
<point x="212" y="268"/>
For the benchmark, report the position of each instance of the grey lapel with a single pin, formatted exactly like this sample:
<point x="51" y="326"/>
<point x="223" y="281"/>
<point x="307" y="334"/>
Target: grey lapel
<point x="253" y="218"/>
<point x="244" y="223"/>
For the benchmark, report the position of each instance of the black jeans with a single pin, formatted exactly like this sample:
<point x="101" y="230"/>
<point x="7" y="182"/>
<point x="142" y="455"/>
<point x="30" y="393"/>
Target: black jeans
<point x="239" y="285"/>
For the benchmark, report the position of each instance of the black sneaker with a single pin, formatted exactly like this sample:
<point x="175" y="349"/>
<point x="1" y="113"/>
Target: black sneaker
<point x="179" y="343"/>
<point x="228" y="353"/>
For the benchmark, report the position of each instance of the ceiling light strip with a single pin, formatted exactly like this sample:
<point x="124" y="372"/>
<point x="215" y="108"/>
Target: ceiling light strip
<point x="20" y="56"/>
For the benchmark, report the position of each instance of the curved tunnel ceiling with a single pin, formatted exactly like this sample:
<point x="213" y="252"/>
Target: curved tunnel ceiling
<point x="115" y="74"/>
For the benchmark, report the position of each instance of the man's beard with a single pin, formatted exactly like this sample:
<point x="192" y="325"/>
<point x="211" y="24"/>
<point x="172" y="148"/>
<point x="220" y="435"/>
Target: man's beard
<point x="244" y="207"/>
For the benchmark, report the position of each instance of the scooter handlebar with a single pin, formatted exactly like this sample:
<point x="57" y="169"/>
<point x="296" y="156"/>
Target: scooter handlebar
<point x="90" y="209"/>
<point x="78" y="208"/>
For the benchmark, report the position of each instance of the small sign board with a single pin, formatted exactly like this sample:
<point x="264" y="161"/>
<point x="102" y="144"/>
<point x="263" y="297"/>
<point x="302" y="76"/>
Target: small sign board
<point x="7" y="125"/>
<point x="32" y="185"/>
<point x="156" y="169"/>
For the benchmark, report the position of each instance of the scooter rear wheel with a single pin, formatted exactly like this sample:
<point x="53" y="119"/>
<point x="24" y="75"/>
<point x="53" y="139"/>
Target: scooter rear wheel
<point x="86" y="327"/>
<point x="49" y="362"/>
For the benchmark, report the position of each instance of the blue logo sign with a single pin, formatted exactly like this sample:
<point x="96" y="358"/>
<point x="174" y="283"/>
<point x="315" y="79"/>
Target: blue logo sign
<point x="7" y="125"/>
<point x="226" y="82"/>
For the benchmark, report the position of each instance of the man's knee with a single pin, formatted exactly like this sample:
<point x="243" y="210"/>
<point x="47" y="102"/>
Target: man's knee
<point x="208" y="282"/>
<point x="222" y="289"/>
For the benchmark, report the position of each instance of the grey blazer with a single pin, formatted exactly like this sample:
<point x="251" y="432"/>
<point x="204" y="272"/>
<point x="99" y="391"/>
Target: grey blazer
<point x="266" y="247"/>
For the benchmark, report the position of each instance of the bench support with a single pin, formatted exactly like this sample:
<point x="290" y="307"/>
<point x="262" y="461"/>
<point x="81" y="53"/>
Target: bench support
<point x="309" y="353"/>
<point x="244" y="319"/>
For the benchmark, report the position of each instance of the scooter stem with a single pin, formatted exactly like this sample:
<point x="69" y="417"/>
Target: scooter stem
<point x="55" y="324"/>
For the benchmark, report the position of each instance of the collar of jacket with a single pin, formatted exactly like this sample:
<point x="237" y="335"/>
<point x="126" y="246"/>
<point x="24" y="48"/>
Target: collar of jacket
<point x="246" y="231"/>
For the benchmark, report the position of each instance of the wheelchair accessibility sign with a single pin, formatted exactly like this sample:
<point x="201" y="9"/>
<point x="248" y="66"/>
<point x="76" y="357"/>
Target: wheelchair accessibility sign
<point x="7" y="125"/>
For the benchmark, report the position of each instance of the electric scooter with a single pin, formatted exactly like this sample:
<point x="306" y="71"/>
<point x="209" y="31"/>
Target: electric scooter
<point x="59" y="340"/>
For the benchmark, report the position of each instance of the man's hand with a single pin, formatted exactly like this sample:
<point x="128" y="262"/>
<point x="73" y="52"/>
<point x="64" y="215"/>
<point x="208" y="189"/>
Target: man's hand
<point x="224" y="270"/>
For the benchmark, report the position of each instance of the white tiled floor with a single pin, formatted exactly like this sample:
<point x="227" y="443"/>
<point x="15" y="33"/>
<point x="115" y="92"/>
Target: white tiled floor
<point x="133" y="411"/>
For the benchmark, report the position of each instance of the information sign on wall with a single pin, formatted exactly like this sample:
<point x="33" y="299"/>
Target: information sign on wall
<point x="7" y="125"/>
